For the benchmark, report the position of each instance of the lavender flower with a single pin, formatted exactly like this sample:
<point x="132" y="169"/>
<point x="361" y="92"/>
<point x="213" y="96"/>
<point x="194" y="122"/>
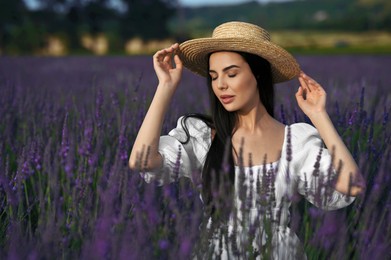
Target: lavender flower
<point x="64" y="145"/>
<point x="64" y="140"/>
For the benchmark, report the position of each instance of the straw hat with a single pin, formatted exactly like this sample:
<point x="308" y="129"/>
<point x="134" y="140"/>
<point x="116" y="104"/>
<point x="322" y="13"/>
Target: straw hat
<point x="239" y="36"/>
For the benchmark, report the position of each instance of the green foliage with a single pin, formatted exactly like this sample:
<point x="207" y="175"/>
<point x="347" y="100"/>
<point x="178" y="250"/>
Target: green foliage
<point x="24" y="31"/>
<point x="25" y="38"/>
<point x="146" y="19"/>
<point x="348" y="15"/>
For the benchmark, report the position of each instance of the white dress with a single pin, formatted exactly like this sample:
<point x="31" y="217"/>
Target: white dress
<point x="290" y="177"/>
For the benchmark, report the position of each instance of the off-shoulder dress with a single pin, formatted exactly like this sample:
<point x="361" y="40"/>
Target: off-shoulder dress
<point x="306" y="170"/>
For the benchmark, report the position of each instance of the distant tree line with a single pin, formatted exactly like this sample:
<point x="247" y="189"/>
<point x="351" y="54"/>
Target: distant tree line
<point x="335" y="15"/>
<point x="23" y="30"/>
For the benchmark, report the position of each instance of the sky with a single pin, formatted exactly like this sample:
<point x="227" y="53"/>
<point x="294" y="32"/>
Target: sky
<point x="191" y="3"/>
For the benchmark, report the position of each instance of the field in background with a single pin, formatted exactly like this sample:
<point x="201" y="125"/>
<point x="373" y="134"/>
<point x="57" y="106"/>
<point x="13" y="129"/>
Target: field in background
<point x="334" y="42"/>
<point x="297" y="42"/>
<point x="67" y="127"/>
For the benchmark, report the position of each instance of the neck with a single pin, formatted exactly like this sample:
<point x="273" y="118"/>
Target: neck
<point x="253" y="119"/>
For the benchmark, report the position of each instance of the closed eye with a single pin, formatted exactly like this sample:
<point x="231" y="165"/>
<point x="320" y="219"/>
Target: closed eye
<point x="212" y="75"/>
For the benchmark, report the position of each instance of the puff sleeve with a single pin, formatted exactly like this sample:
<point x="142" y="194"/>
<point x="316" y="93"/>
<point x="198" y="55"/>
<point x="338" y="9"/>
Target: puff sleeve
<point x="313" y="170"/>
<point x="181" y="159"/>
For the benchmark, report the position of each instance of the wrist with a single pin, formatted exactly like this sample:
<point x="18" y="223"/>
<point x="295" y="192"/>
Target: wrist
<point x="167" y="88"/>
<point x="164" y="95"/>
<point x="319" y="117"/>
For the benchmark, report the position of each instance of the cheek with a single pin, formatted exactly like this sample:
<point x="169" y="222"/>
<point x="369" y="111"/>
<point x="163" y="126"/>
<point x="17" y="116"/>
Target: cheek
<point x="253" y="85"/>
<point x="248" y="86"/>
<point x="214" y="87"/>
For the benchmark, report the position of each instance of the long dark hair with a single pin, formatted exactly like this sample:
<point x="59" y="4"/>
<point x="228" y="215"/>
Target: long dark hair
<point x="219" y="167"/>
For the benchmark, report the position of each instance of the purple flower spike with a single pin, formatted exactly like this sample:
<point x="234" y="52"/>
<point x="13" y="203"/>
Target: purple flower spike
<point x="64" y="140"/>
<point x="164" y="244"/>
<point x="385" y="117"/>
<point x="185" y="248"/>
<point x="85" y="149"/>
<point x="99" y="108"/>
<point x="282" y="114"/>
<point x="82" y="201"/>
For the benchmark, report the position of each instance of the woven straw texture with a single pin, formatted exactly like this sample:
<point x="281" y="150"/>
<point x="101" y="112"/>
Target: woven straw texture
<point x="239" y="36"/>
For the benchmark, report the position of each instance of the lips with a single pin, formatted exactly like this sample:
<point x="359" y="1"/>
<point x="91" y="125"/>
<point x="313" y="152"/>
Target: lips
<point x="226" y="99"/>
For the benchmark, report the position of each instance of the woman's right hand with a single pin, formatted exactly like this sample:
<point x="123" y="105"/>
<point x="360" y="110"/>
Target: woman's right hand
<point x="168" y="66"/>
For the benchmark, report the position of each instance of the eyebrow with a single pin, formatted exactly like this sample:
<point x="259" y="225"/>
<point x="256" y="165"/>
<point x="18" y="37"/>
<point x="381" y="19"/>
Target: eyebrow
<point x="226" y="68"/>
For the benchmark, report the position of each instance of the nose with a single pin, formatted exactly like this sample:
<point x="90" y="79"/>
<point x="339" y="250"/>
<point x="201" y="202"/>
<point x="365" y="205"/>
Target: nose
<point x="221" y="84"/>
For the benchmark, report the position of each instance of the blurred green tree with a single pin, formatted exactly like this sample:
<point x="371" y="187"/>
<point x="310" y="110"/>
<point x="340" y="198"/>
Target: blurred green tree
<point x="147" y="19"/>
<point x="75" y="17"/>
<point x="24" y="31"/>
<point x="380" y="13"/>
<point x="10" y="19"/>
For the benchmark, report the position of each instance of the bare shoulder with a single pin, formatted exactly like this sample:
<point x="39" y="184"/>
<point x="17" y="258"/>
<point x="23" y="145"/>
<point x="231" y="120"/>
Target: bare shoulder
<point x="277" y="128"/>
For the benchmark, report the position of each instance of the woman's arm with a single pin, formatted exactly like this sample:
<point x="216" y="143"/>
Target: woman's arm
<point x="311" y="98"/>
<point x="145" y="148"/>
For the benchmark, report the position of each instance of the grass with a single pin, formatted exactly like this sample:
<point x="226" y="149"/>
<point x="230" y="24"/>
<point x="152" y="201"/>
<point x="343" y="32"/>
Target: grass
<point x="317" y="42"/>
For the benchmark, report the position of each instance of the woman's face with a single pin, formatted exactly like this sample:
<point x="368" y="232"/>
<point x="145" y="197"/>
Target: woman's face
<point x="233" y="82"/>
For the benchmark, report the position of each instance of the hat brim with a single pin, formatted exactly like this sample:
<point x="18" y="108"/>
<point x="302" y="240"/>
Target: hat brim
<point x="194" y="55"/>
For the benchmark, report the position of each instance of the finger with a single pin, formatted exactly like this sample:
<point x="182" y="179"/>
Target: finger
<point x="303" y="80"/>
<point x="156" y="56"/>
<point x="317" y="87"/>
<point x="167" y="58"/>
<point x="159" y="56"/>
<point x="168" y="52"/>
<point x="304" y="83"/>
<point x="301" y="94"/>
<point x="164" y="51"/>
<point x="171" y="49"/>
<point x="178" y="62"/>
<point x="311" y="82"/>
<point x="306" y="77"/>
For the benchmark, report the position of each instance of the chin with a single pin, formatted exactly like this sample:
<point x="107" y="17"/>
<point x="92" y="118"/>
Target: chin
<point x="230" y="108"/>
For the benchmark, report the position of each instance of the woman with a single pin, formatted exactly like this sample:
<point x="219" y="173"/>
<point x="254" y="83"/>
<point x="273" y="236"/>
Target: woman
<point x="241" y="64"/>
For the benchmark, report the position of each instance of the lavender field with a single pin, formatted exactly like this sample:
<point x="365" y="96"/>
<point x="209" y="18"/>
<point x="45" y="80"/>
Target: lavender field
<point x="68" y="124"/>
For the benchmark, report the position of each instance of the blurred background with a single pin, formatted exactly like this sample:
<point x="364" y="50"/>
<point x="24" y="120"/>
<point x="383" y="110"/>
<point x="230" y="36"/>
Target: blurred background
<point x="117" y="27"/>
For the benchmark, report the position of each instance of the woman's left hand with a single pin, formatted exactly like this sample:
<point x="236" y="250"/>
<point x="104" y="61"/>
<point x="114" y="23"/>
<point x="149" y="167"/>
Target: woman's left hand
<point x="310" y="96"/>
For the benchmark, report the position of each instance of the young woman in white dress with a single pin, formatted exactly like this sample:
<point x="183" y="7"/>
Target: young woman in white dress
<point x="241" y="65"/>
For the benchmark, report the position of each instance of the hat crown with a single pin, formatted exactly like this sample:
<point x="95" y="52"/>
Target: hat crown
<point x="240" y="30"/>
